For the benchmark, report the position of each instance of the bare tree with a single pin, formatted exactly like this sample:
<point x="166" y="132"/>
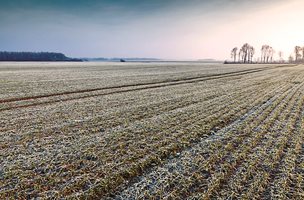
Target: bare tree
<point x="234" y="53"/>
<point x="251" y="52"/>
<point x="267" y="53"/>
<point x="270" y="54"/>
<point x="240" y="55"/>
<point x="263" y="53"/>
<point x="246" y="49"/>
<point x="297" y="51"/>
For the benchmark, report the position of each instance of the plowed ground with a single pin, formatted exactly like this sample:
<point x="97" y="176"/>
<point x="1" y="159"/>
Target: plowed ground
<point x="151" y="131"/>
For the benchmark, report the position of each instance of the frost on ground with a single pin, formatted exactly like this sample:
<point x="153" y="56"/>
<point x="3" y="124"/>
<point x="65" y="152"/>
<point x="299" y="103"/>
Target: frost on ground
<point x="151" y="131"/>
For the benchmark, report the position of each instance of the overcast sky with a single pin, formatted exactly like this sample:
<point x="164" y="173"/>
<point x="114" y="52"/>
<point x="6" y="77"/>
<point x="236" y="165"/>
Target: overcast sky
<point x="169" y="29"/>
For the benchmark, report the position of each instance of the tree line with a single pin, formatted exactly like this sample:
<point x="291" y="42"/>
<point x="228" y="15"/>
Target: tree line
<point x="246" y="52"/>
<point x="34" y="56"/>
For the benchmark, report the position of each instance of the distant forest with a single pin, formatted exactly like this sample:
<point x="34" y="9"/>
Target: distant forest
<point x="34" y="56"/>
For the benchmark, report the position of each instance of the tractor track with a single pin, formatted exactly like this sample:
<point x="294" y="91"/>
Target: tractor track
<point x="121" y="89"/>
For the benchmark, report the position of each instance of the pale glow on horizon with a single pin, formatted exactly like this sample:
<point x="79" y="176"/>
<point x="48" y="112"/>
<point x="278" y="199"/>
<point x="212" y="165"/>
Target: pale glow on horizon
<point x="279" y="26"/>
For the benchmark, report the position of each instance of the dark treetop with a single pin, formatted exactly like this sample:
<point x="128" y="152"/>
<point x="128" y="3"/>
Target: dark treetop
<point x="34" y="56"/>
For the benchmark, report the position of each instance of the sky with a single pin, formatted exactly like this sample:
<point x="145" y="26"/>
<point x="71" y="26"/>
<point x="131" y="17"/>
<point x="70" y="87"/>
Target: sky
<point x="167" y="29"/>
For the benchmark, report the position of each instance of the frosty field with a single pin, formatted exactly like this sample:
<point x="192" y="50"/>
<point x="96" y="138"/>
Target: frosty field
<point x="151" y="131"/>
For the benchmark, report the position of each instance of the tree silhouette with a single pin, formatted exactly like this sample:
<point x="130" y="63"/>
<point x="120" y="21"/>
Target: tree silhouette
<point x="264" y="51"/>
<point x="234" y="53"/>
<point x="245" y="50"/>
<point x="246" y="53"/>
<point x="251" y="53"/>
<point x="297" y="51"/>
<point x="267" y="53"/>
<point x="240" y="55"/>
<point x="270" y="54"/>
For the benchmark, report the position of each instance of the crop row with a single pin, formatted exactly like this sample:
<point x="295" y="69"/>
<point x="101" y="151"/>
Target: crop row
<point x="185" y="137"/>
<point x="256" y="164"/>
<point x="96" y="156"/>
<point x="125" y="111"/>
<point x="36" y="80"/>
<point x="203" y="173"/>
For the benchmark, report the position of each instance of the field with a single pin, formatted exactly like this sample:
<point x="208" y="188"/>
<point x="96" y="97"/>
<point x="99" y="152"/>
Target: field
<point x="151" y="131"/>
